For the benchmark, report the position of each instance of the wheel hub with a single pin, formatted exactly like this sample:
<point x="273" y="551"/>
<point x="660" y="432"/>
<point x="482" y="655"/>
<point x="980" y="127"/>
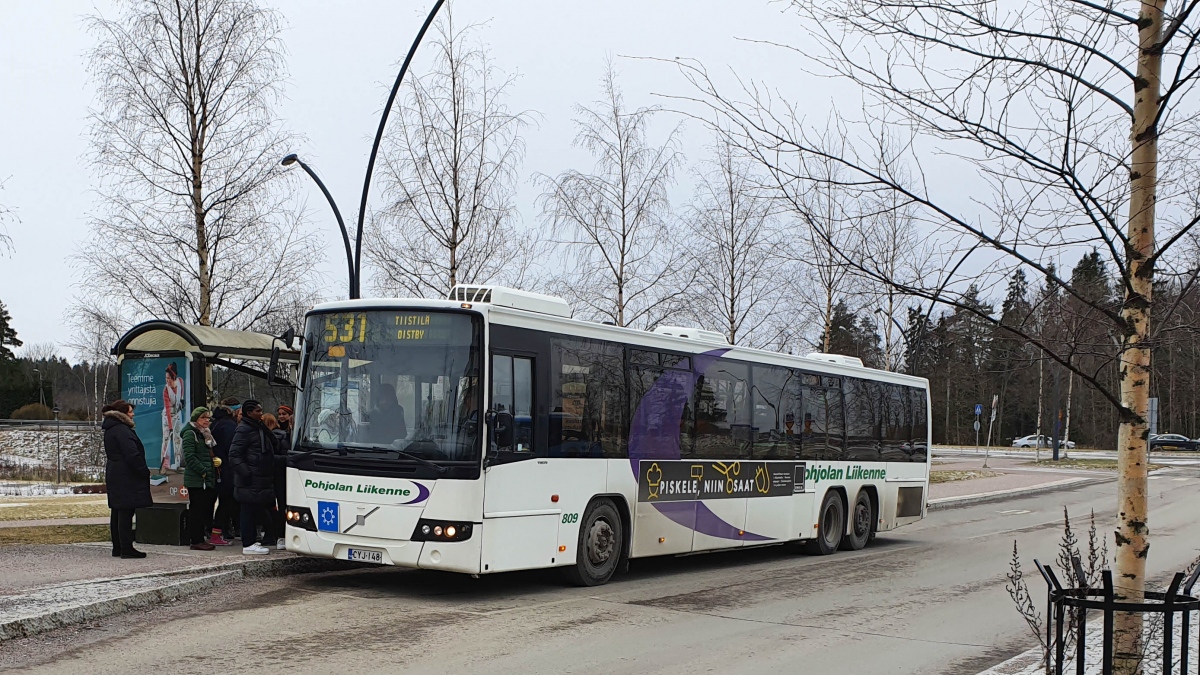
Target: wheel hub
<point x="862" y="520"/>
<point x="601" y="542"/>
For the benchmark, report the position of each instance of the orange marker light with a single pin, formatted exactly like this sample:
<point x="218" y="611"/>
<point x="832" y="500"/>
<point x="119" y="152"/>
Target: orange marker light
<point x="741" y="533"/>
<point x="661" y="539"/>
<point x="554" y="498"/>
<point x="561" y="549"/>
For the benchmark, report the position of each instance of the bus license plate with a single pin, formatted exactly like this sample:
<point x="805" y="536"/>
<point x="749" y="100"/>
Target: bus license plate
<point x="364" y="555"/>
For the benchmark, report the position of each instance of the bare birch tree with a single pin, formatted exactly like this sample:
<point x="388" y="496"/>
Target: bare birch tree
<point x="1059" y="107"/>
<point x="615" y="223"/>
<point x="6" y="216"/>
<point x="450" y="177"/>
<point x="735" y="251"/>
<point x="193" y="224"/>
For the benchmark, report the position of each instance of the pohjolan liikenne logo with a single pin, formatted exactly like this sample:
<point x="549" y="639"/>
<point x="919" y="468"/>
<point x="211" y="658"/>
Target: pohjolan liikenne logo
<point x="359" y="488"/>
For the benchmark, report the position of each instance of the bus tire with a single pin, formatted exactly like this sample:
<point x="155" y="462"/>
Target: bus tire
<point x="862" y="520"/>
<point x="601" y="540"/>
<point x="831" y="523"/>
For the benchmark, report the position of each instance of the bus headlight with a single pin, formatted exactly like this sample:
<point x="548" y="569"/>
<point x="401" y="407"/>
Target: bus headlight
<point x="441" y="530"/>
<point x="301" y="517"/>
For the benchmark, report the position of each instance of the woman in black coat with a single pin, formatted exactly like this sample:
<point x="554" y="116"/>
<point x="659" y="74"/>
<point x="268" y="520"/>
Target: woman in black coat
<point x="126" y="475"/>
<point x="252" y="458"/>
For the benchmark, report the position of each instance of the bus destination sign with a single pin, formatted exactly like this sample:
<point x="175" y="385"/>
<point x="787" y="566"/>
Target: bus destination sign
<point x="675" y="481"/>
<point x="378" y="327"/>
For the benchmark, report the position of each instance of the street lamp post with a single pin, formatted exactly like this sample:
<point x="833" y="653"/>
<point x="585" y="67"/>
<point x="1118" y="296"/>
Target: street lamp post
<point x="353" y="276"/>
<point x="41" y="386"/>
<point x="355" y="261"/>
<point x="58" y="453"/>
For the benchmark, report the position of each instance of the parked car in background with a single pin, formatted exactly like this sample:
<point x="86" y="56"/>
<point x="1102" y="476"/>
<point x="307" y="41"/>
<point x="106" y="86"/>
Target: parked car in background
<point x="1173" y="442"/>
<point x="1034" y="440"/>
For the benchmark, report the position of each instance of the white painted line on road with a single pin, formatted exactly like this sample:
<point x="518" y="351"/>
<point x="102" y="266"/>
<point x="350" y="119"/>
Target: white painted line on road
<point x="1027" y="528"/>
<point x="1179" y="480"/>
<point x="1014" y="512"/>
<point x="1155" y="477"/>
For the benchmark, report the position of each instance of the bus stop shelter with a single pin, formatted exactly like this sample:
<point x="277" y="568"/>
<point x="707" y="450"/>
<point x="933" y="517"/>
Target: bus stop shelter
<point x="165" y="370"/>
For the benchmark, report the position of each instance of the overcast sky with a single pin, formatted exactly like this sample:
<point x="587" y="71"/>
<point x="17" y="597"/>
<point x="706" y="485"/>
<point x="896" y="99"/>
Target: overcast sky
<point x="342" y="57"/>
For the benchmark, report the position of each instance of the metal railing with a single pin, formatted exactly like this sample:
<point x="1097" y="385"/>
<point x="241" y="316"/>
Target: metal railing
<point x="1067" y="612"/>
<point x="50" y="424"/>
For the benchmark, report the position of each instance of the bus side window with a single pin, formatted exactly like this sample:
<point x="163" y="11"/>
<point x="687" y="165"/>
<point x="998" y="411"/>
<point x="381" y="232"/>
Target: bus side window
<point x="512" y="392"/>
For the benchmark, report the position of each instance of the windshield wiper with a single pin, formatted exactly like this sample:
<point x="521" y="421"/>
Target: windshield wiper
<point x="311" y="450"/>
<point x="376" y="448"/>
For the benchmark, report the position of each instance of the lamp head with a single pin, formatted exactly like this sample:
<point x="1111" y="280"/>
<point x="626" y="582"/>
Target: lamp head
<point x="290" y="159"/>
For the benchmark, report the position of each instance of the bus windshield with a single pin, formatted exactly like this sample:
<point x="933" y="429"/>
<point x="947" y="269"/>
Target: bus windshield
<point x="398" y="385"/>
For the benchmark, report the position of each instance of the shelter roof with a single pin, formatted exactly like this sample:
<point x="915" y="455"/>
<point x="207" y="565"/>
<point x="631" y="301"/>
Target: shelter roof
<point x="169" y="336"/>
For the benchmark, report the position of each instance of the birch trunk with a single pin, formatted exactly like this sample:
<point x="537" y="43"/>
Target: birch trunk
<point x="1132" y="535"/>
<point x="1041" y="398"/>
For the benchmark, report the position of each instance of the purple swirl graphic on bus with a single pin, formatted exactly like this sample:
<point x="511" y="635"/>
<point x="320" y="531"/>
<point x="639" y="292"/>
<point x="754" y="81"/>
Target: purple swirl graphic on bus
<point x="654" y="434"/>
<point x="422" y="495"/>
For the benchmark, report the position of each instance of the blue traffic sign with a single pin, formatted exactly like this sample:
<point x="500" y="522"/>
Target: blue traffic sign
<point x="978" y="409"/>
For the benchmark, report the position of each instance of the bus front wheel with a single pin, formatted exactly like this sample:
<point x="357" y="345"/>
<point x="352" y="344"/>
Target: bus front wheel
<point x="831" y="526"/>
<point x="601" y="540"/>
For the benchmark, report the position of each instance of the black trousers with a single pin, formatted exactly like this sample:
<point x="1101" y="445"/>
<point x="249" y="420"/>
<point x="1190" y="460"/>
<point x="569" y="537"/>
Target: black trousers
<point x="254" y="514"/>
<point x="200" y="512"/>
<point x="120" y="526"/>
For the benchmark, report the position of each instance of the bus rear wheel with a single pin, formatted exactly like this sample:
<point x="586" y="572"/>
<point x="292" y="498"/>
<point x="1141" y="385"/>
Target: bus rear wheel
<point x="862" y="521"/>
<point x="831" y="524"/>
<point x="601" y="544"/>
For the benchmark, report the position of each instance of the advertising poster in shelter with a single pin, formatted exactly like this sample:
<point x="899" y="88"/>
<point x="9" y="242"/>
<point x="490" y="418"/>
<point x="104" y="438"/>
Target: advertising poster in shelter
<point x="159" y="390"/>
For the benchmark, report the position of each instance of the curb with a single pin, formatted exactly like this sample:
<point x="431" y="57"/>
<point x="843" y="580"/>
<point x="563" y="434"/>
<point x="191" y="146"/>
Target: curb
<point x="210" y="576"/>
<point x="1002" y="495"/>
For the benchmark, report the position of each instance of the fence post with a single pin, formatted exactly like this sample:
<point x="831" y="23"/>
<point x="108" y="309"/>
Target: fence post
<point x="1106" y="665"/>
<point x="1169" y="621"/>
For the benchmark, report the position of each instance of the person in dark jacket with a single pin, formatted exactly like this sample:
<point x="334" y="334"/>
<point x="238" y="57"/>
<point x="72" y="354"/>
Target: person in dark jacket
<point x="283" y="444"/>
<point x="252" y="457"/>
<point x="225" y="421"/>
<point x="199" y="476"/>
<point x="126" y="475"/>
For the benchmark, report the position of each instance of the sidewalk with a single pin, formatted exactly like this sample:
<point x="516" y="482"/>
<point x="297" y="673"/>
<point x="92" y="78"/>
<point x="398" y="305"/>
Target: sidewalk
<point x="43" y="587"/>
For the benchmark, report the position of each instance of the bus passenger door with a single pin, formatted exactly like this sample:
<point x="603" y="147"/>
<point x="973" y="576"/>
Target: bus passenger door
<point x="520" y="523"/>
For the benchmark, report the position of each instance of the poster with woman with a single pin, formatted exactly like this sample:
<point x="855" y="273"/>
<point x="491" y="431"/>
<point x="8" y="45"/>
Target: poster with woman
<point x="157" y="386"/>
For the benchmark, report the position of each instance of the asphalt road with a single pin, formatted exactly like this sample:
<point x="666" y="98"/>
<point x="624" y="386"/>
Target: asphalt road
<point x="929" y="598"/>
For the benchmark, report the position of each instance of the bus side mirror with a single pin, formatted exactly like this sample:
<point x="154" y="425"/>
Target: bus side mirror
<point x="502" y="428"/>
<point x="273" y="369"/>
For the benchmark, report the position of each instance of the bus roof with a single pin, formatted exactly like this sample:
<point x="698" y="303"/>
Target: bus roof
<point x="544" y="313"/>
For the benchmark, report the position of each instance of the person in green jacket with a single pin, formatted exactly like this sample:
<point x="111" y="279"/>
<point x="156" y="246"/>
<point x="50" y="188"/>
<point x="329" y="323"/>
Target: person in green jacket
<point x="199" y="476"/>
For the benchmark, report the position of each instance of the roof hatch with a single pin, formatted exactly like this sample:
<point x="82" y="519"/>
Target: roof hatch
<point x="512" y="298"/>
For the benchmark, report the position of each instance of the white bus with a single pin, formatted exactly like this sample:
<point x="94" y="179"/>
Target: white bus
<point x="492" y="432"/>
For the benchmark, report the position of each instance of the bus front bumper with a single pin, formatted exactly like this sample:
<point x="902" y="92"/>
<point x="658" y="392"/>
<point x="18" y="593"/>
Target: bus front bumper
<point x="458" y="556"/>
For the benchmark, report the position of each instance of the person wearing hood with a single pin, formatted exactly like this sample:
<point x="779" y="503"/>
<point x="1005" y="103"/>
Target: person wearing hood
<point x="126" y="475"/>
<point x="283" y="444"/>
<point x="224" y="424"/>
<point x="200" y="476"/>
<point x="252" y="457"/>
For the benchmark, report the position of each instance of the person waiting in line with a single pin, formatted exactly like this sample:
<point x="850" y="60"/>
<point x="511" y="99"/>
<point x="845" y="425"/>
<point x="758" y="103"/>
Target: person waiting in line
<point x="285" y="414"/>
<point x="224" y="424"/>
<point x="252" y="458"/>
<point x="126" y="475"/>
<point x="282" y="447"/>
<point x="200" y="476"/>
<point x="387" y="418"/>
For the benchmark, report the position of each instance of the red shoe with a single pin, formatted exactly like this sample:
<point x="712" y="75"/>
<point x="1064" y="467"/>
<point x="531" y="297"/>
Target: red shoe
<point x="217" y="540"/>
<point x="202" y="547"/>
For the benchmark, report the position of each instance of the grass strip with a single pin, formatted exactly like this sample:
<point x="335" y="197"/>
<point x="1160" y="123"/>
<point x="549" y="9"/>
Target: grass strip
<point x="53" y="534"/>
<point x="1093" y="464"/>
<point x="952" y="476"/>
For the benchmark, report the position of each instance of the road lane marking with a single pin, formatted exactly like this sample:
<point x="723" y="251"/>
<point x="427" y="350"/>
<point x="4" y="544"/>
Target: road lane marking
<point x="1014" y="512"/>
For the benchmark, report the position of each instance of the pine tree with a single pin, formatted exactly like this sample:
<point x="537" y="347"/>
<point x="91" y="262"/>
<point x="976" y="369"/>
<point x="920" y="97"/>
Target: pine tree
<point x="8" y="335"/>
